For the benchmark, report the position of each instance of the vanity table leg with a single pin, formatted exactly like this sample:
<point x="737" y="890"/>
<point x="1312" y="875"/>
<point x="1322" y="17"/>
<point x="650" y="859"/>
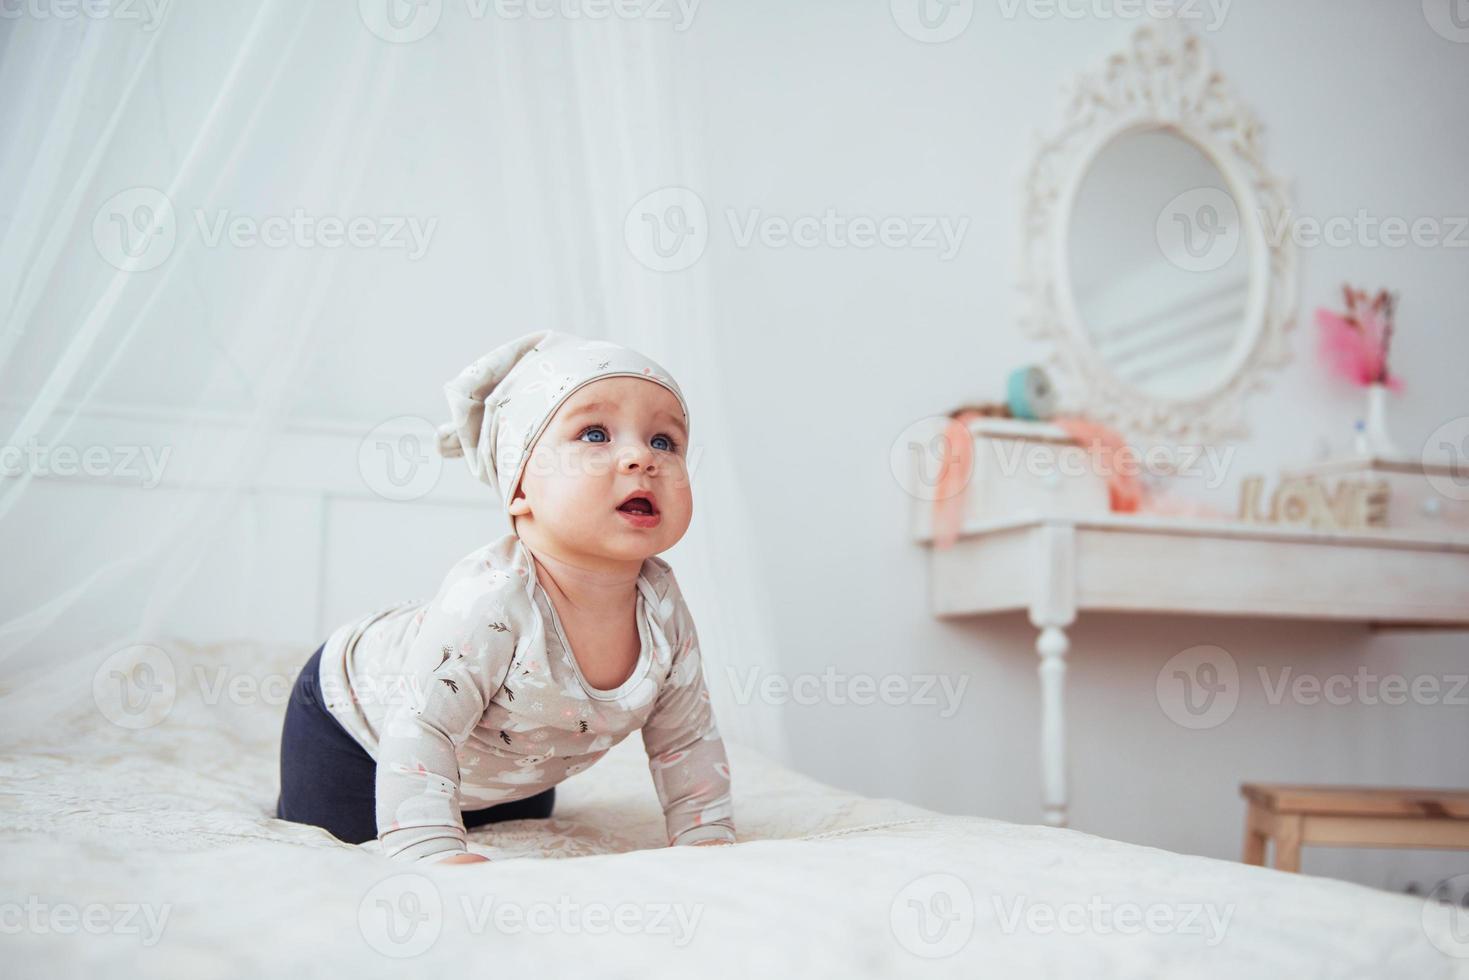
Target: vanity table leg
<point x="1052" y="645"/>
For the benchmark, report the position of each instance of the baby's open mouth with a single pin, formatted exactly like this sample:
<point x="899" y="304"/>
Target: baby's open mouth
<point x="637" y="505"/>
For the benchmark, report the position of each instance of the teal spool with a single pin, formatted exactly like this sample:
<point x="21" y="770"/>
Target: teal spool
<point x="1030" y="394"/>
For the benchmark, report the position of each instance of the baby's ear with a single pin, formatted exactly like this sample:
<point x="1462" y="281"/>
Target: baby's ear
<point x="519" y="505"/>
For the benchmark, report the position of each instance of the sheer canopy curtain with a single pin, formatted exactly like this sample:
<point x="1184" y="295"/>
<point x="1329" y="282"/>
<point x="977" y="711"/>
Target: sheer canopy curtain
<point x="243" y="241"/>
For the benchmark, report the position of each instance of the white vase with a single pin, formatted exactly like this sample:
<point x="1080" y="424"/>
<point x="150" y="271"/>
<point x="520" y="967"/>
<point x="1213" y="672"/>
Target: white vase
<point x="1376" y="438"/>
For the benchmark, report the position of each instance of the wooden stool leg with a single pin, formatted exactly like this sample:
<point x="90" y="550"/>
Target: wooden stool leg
<point x="1288" y="843"/>
<point x="1254" y="837"/>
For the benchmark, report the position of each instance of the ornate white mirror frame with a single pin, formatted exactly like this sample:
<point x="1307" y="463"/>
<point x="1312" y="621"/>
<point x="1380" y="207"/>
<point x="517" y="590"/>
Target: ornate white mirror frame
<point x="1162" y="80"/>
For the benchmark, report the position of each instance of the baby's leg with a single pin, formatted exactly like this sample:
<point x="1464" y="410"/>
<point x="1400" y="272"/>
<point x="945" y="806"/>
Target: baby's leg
<point x="536" y="807"/>
<point x="327" y="779"/>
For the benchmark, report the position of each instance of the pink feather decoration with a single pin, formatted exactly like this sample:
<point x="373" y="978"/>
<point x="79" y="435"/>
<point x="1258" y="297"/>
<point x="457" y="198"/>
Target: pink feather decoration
<point x="1355" y="345"/>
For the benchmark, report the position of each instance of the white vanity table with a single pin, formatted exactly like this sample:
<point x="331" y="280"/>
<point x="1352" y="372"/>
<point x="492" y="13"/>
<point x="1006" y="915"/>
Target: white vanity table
<point x="1054" y="566"/>
<point x="1149" y="276"/>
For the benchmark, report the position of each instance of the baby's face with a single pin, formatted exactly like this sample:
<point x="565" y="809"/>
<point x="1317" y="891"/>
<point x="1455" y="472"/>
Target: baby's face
<point x="612" y="438"/>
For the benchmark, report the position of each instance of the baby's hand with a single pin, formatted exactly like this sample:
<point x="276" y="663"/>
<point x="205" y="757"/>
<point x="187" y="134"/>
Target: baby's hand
<point x="713" y="840"/>
<point x="465" y="858"/>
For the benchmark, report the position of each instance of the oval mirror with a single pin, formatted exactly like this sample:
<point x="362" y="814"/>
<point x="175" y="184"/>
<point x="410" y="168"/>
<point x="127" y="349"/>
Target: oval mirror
<point x="1159" y="270"/>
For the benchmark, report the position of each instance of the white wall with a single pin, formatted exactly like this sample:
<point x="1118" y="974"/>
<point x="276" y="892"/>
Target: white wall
<point x="829" y="105"/>
<point x="831" y="353"/>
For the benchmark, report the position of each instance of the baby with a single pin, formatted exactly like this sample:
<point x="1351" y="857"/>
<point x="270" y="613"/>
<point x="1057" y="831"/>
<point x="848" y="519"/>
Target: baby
<point x="425" y="718"/>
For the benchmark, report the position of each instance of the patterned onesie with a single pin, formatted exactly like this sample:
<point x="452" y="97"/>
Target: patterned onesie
<point x="474" y="698"/>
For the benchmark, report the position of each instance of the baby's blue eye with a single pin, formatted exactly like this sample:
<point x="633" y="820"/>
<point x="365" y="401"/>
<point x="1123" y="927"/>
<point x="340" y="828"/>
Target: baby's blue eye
<point x="667" y="443"/>
<point x="597" y="429"/>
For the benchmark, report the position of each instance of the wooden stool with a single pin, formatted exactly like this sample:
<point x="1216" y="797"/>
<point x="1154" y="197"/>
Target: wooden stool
<point x="1350" y="816"/>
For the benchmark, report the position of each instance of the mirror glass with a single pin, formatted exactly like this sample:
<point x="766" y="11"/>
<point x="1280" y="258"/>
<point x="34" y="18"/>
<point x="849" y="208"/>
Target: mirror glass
<point x="1159" y="270"/>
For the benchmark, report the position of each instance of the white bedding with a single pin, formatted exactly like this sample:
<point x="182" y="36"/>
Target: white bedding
<point x="151" y="852"/>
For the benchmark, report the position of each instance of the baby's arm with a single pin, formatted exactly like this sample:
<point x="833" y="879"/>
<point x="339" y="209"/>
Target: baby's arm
<point x="455" y="665"/>
<point x="685" y="753"/>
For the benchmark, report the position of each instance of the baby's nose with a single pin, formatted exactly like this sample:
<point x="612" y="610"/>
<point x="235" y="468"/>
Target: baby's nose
<point x="634" y="458"/>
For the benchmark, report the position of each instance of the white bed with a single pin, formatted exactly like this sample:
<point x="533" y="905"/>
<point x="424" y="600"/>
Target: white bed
<point x="173" y="820"/>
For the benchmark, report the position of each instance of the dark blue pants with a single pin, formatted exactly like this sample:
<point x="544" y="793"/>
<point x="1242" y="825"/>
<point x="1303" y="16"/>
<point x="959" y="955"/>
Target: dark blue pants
<point x="329" y="781"/>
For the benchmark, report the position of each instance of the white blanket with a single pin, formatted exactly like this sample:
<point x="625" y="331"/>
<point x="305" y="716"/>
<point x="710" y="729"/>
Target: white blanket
<point x="152" y="852"/>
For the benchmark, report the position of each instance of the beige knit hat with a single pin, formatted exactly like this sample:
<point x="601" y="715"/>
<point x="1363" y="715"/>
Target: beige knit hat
<point x="501" y="403"/>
